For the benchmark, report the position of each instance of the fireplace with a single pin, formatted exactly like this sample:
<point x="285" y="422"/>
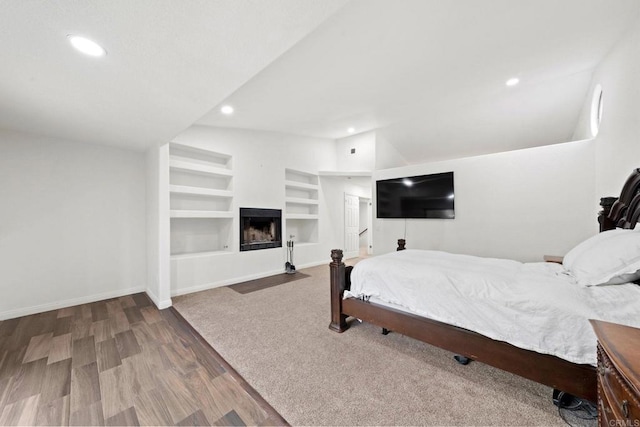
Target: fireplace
<point x="260" y="229"/>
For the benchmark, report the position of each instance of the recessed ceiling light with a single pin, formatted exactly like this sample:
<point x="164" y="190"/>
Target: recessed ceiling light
<point x="351" y="130"/>
<point x="513" y="81"/>
<point x="86" y="46"/>
<point x="226" y="109"/>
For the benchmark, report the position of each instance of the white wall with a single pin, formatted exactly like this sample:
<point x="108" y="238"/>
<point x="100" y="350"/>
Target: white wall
<point x="72" y="223"/>
<point x="527" y="203"/>
<point x="373" y="152"/>
<point x="259" y="163"/>
<point x="158" y="273"/>
<point x="519" y="204"/>
<point x="364" y="157"/>
<point x="618" y="141"/>
<point x="387" y="156"/>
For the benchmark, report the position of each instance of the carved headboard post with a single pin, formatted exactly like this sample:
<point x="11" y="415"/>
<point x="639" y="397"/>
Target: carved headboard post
<point x="338" y="283"/>
<point x="401" y="243"/>
<point x="619" y="208"/>
<point x="606" y="223"/>
<point x="623" y="211"/>
<point x="632" y="215"/>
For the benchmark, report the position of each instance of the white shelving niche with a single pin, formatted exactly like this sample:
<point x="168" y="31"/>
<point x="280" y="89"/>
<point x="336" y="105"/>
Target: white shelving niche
<point x="301" y="206"/>
<point x="201" y="201"/>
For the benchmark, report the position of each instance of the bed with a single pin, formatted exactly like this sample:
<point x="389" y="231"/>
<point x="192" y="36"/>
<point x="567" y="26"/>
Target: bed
<point x="388" y="292"/>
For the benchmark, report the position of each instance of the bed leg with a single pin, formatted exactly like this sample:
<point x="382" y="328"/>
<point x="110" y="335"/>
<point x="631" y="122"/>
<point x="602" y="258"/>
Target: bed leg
<point x="385" y="331"/>
<point x="461" y="359"/>
<point x="338" y="282"/>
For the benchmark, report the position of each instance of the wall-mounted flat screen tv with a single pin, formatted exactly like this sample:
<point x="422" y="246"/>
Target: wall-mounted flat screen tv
<point x="424" y="196"/>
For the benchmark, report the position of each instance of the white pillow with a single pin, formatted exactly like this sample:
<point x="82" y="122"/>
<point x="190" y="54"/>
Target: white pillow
<point x="588" y="244"/>
<point x="607" y="260"/>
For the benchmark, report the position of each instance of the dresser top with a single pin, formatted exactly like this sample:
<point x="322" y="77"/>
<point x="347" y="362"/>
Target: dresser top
<point x="622" y="344"/>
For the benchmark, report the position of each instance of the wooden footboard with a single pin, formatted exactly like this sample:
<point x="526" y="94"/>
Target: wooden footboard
<point x="579" y="380"/>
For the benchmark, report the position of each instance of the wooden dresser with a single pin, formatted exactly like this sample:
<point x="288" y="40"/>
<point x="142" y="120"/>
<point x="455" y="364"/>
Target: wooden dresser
<point x="618" y="374"/>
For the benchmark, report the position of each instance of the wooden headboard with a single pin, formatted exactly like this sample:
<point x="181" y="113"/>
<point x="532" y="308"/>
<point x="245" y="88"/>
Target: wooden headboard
<point x="624" y="211"/>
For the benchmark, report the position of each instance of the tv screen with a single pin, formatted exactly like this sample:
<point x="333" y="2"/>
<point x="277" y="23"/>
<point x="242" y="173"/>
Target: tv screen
<point x="424" y="196"/>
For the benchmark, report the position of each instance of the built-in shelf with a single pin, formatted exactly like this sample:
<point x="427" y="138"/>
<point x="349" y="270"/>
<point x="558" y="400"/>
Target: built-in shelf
<point x="201" y="214"/>
<point x="184" y="189"/>
<point x="189" y="255"/>
<point x="190" y="166"/>
<point x="301" y="185"/>
<point x="301" y="206"/>
<point x="300" y="201"/>
<point x="201" y="201"/>
<point x="200" y="154"/>
<point x="302" y="216"/>
<point x="305" y="244"/>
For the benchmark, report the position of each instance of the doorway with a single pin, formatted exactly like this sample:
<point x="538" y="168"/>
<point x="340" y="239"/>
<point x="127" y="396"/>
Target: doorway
<point x="351" y="226"/>
<point x="357" y="226"/>
<point x="365" y="225"/>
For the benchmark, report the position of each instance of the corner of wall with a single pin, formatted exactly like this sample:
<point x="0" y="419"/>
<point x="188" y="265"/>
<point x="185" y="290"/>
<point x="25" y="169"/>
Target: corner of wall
<point x="582" y="130"/>
<point x="387" y="155"/>
<point x="158" y="226"/>
<point x="161" y="304"/>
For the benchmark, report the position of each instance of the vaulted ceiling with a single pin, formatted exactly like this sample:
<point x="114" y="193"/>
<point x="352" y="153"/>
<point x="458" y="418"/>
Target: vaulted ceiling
<point x="428" y="75"/>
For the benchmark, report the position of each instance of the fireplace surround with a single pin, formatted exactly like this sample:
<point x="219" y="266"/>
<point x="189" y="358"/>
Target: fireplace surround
<point x="260" y="229"/>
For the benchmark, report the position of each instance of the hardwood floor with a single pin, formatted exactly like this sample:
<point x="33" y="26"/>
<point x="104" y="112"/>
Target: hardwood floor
<point x="119" y="362"/>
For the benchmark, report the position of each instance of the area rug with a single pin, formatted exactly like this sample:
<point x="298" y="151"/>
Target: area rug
<point x="278" y="339"/>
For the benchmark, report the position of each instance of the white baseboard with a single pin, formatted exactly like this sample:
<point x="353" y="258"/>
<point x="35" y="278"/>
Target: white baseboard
<point x="41" y="308"/>
<point x="226" y="282"/>
<point x="235" y="280"/>
<point x="160" y="304"/>
<point x="313" y="264"/>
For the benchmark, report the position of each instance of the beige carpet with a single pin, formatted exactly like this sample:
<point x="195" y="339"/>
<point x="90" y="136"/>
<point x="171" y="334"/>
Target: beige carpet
<point x="278" y="340"/>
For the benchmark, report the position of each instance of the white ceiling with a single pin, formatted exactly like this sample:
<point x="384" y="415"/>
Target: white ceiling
<point x="427" y="74"/>
<point x="430" y="74"/>
<point x="168" y="62"/>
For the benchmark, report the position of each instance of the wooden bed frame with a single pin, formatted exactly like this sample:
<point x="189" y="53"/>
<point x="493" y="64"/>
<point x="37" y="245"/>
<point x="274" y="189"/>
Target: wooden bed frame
<point x="576" y="379"/>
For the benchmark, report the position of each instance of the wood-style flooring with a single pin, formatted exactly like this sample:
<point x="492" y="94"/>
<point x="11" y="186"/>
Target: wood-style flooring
<point x="119" y="362"/>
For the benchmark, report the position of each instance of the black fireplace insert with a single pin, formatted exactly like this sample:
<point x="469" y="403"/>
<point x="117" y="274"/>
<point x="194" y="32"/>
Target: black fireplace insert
<point x="260" y="229"/>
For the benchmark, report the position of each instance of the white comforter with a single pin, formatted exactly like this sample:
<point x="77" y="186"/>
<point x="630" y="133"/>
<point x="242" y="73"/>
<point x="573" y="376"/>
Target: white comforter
<point x="535" y="306"/>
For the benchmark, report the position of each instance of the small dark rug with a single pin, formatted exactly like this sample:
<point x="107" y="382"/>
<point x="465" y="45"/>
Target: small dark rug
<point x="266" y="282"/>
